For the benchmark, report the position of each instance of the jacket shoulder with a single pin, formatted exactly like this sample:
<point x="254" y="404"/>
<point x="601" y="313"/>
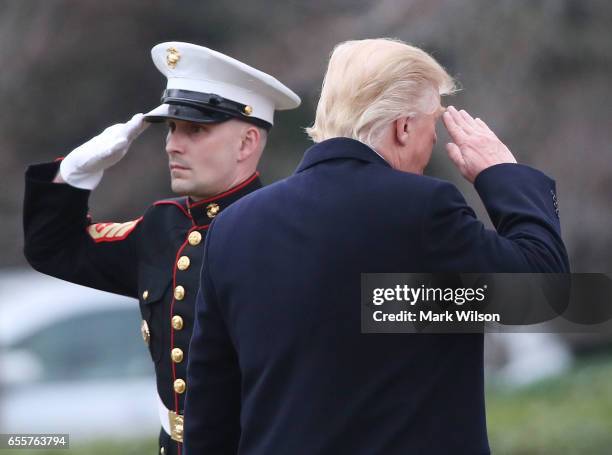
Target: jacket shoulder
<point x="168" y="205"/>
<point x="396" y="187"/>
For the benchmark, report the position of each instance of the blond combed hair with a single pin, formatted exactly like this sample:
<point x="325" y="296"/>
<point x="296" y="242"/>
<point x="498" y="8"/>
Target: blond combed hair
<point x="372" y="82"/>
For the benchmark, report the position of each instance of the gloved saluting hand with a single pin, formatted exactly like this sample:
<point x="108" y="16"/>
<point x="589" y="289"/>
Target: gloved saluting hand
<point x="84" y="166"/>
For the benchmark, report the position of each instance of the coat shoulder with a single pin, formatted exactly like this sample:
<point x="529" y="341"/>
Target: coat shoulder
<point x="167" y="207"/>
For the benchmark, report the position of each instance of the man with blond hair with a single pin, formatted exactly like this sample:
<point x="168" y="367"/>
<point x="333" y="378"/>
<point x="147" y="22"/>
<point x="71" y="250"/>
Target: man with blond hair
<point x="278" y="362"/>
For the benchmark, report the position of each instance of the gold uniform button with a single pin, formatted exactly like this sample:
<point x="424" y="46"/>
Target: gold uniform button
<point x="194" y="238"/>
<point x="179" y="386"/>
<point x="144" y="331"/>
<point x="177" y="322"/>
<point x="183" y="263"/>
<point x="177" y="355"/>
<point x="212" y="209"/>
<point x="145" y="295"/>
<point x="179" y="293"/>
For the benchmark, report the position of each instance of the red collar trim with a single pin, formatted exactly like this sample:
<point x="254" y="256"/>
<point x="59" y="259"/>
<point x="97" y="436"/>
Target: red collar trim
<point x="226" y="193"/>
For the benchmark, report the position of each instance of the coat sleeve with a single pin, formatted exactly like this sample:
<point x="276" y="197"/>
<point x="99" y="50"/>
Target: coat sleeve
<point x="521" y="203"/>
<point x="212" y="404"/>
<point x="60" y="240"/>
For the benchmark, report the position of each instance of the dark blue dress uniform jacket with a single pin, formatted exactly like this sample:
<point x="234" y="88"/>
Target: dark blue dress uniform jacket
<point x="278" y="364"/>
<point x="155" y="259"/>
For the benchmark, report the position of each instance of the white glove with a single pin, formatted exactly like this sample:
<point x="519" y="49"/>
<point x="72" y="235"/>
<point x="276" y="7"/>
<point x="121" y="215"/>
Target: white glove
<point x="84" y="166"/>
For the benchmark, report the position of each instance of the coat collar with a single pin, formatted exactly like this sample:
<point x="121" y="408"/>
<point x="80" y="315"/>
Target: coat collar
<point x="338" y="148"/>
<point x="203" y="211"/>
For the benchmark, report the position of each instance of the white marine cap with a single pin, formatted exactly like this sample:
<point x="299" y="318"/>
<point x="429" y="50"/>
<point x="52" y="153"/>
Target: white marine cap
<point x="207" y="86"/>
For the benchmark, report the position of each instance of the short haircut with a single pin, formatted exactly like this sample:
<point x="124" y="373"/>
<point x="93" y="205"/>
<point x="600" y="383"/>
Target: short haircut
<point x="373" y="82"/>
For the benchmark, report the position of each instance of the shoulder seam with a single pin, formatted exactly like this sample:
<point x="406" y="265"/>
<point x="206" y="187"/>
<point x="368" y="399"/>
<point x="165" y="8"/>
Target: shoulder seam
<point x="174" y="202"/>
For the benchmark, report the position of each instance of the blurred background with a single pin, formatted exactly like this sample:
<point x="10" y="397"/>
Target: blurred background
<point x="537" y="71"/>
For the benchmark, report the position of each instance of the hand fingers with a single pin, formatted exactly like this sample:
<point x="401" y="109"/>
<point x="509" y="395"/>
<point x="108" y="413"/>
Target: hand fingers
<point x="136" y="125"/>
<point x="456" y="132"/>
<point x="135" y="120"/>
<point x="482" y="124"/>
<point x="468" y="118"/>
<point x="454" y="153"/>
<point x="459" y="119"/>
<point x="467" y="123"/>
<point x="121" y="129"/>
<point x="465" y="120"/>
<point x="120" y="145"/>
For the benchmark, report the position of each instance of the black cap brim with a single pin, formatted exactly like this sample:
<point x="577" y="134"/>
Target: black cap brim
<point x="187" y="113"/>
<point x="202" y="108"/>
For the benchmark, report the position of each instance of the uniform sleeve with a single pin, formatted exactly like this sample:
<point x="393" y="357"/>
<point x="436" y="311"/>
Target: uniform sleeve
<point x="212" y="404"/>
<point x="60" y="240"/>
<point x="521" y="203"/>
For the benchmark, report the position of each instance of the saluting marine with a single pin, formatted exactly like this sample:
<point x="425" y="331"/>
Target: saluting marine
<point x="218" y="111"/>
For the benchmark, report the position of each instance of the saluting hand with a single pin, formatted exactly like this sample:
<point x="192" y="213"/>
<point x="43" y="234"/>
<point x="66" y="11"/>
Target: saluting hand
<point x="85" y="165"/>
<point x="475" y="147"/>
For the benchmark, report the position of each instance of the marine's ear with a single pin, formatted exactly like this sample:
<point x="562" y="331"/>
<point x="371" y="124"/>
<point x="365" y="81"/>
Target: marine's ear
<point x="251" y="138"/>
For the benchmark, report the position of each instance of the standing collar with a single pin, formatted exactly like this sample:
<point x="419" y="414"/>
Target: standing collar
<point x="338" y="148"/>
<point x="204" y="210"/>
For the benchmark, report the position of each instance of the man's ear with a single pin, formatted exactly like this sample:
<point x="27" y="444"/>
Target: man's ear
<point x="403" y="128"/>
<point x="250" y="143"/>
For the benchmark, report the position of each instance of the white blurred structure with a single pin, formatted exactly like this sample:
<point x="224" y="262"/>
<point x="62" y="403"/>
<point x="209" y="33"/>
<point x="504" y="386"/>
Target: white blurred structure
<point x="528" y="357"/>
<point x="72" y="361"/>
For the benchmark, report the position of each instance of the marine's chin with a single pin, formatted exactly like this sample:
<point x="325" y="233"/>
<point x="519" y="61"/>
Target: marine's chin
<point x="180" y="187"/>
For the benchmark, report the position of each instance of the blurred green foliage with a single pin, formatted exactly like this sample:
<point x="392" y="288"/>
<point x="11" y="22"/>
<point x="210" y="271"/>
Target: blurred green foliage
<point x="568" y="415"/>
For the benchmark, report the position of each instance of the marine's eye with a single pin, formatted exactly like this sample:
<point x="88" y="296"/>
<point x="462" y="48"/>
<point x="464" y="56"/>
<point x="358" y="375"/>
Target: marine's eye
<point x="197" y="128"/>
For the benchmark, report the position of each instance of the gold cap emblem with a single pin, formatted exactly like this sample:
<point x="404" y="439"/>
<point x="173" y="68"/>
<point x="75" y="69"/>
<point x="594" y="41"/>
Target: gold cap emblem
<point x="248" y="110"/>
<point x="172" y="57"/>
<point x="212" y="209"/>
